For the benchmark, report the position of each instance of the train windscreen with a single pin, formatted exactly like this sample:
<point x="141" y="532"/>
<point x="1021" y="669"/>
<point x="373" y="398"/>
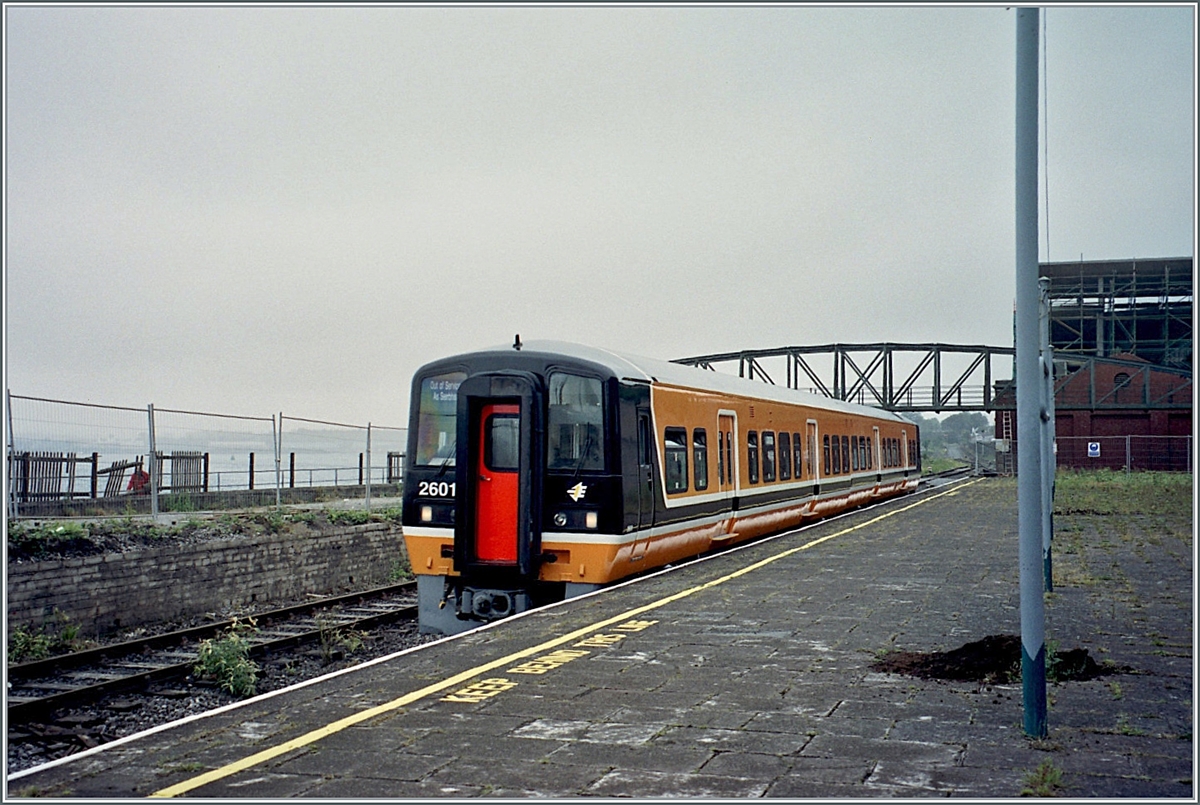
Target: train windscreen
<point x="437" y="419"/>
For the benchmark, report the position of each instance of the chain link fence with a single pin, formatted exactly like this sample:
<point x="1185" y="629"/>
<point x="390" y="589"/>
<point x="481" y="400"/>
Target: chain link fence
<point x="1130" y="453"/>
<point x="72" y="458"/>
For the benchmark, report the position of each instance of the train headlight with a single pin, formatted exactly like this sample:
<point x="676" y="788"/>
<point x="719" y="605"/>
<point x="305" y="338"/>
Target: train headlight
<point x="426" y="514"/>
<point x="591" y="519"/>
<point x="560" y="519"/>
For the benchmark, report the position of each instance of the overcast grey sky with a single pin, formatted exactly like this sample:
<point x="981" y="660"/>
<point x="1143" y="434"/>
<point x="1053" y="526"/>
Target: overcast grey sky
<point x="247" y="210"/>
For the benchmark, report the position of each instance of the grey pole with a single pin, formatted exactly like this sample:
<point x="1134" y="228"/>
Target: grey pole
<point x="1029" y="381"/>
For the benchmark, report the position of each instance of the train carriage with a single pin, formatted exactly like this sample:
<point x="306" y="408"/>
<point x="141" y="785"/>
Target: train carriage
<point x="549" y="470"/>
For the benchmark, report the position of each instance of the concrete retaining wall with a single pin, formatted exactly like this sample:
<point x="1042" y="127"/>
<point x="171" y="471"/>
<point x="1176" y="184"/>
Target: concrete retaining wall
<point x="106" y="592"/>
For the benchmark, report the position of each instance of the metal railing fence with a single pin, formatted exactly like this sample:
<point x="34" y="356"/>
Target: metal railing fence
<point x="67" y="457"/>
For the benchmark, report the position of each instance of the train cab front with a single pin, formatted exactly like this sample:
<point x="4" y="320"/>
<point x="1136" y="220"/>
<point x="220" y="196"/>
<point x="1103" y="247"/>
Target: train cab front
<point x="472" y="501"/>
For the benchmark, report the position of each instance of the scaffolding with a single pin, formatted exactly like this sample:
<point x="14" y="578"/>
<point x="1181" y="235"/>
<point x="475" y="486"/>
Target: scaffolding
<point x="1107" y="308"/>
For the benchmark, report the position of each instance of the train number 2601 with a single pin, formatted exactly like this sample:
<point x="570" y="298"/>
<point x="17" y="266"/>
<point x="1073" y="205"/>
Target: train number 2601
<point x="436" y="489"/>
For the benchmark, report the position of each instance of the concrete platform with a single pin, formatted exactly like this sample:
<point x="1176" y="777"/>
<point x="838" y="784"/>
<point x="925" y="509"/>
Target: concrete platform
<point x="745" y="675"/>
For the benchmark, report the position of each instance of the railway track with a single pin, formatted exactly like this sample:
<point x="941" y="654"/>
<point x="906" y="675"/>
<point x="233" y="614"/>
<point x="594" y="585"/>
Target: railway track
<point x="37" y="689"/>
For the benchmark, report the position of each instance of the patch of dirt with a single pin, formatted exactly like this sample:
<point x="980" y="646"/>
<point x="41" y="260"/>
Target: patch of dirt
<point x="996" y="660"/>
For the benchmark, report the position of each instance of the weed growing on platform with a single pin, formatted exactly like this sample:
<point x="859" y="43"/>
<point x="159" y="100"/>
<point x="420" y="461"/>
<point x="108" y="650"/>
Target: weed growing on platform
<point x="1044" y="781"/>
<point x="226" y="660"/>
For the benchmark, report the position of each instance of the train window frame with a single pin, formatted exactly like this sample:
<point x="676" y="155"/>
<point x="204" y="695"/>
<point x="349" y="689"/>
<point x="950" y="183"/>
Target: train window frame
<point x="828" y="465"/>
<point x="752" y="455"/>
<point x="785" y="455"/>
<point x="846" y="454"/>
<point x="675" y="460"/>
<point x="584" y="450"/>
<point x="700" y="458"/>
<point x="768" y="456"/>
<point x="437" y="417"/>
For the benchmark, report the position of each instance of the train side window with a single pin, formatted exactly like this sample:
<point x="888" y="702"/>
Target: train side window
<point x="828" y="466"/>
<point x="837" y="454"/>
<point x="700" y="457"/>
<point x="862" y="453"/>
<point x="675" y="456"/>
<point x="752" y="455"/>
<point x="870" y="453"/>
<point x="797" y="455"/>
<point x="785" y="456"/>
<point x="854" y="453"/>
<point x="845" y="454"/>
<point x="768" y="451"/>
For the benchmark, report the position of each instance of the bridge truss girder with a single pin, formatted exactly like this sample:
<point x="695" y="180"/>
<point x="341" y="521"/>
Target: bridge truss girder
<point x="896" y="377"/>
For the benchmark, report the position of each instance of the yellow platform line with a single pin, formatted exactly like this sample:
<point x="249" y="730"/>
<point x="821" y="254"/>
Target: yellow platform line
<point x="454" y="681"/>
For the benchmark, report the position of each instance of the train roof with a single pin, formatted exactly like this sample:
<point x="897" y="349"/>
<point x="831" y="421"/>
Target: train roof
<point x="653" y="370"/>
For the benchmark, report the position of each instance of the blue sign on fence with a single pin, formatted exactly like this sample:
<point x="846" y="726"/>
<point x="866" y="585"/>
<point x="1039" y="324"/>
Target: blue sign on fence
<point x="1093" y="449"/>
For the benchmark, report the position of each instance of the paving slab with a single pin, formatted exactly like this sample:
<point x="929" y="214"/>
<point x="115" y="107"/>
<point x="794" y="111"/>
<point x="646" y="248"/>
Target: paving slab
<point x="745" y="675"/>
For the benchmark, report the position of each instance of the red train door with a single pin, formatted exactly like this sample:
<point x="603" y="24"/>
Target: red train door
<point x="497" y="484"/>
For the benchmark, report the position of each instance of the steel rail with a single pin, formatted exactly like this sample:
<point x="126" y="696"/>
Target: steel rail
<point x="27" y="674"/>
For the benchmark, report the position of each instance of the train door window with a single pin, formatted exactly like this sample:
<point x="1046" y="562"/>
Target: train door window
<point x="501" y="447"/>
<point x="845" y="454"/>
<point x="797" y="455"/>
<point x="437" y="417"/>
<point x="785" y="456"/>
<point x="700" y="457"/>
<point x="828" y="466"/>
<point x="729" y="457"/>
<point x="752" y="455"/>
<point x="768" y="451"/>
<point x="720" y="460"/>
<point x="575" y="423"/>
<point x="643" y="441"/>
<point x="675" y="454"/>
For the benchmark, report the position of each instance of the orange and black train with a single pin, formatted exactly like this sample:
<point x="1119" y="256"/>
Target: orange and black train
<point x="549" y="470"/>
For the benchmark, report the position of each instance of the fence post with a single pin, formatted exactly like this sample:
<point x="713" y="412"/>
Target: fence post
<point x="153" y="460"/>
<point x="368" y="491"/>
<point x="252" y="471"/>
<point x="1128" y="466"/>
<point x="95" y="474"/>
<point x="12" y="458"/>
<point x="277" y="446"/>
<point x="292" y="471"/>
